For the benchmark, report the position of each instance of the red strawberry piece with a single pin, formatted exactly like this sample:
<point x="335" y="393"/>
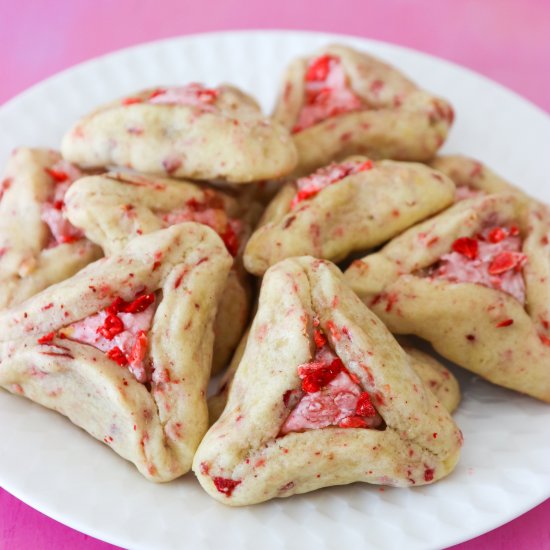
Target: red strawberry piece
<point x="117" y="356"/>
<point x="47" y="338"/>
<point x="112" y="326"/>
<point x="364" y="406"/>
<point x="231" y="240"/>
<point x="504" y="262"/>
<point x="496" y="235"/>
<point x="467" y="247"/>
<point x="319" y="68"/>
<point x="131" y="100"/>
<point x="505" y="323"/>
<point x="319" y="338"/>
<point x="141" y="303"/>
<point x="140" y="347"/>
<point x="225" y="485"/>
<point x="318" y="378"/>
<point x="352" y="422"/>
<point x="58" y="176"/>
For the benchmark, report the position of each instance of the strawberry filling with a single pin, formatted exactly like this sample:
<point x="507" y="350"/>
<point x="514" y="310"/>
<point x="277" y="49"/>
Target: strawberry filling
<point x="329" y="396"/>
<point x="309" y="186"/>
<point x="62" y="231"/>
<point x="192" y="95"/>
<point x="492" y="259"/>
<point x="463" y="192"/>
<point x="327" y="93"/>
<point x="209" y="212"/>
<point x="120" y="331"/>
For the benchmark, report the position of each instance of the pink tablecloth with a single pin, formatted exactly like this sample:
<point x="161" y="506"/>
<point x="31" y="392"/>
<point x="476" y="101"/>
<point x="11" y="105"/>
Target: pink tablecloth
<point x="507" y="40"/>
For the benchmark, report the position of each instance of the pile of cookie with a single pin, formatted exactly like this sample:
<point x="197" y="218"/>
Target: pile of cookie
<point x="180" y="232"/>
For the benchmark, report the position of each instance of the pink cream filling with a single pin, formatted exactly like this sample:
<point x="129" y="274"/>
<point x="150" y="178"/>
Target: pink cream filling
<point x="309" y="186"/>
<point x="64" y="174"/>
<point x="128" y="341"/>
<point x="333" y="404"/>
<point x="496" y="265"/>
<point x="214" y="217"/>
<point x="327" y="93"/>
<point x="464" y="192"/>
<point x="192" y="95"/>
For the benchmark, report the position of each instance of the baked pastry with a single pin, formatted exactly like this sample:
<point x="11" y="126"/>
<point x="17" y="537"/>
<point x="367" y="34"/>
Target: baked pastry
<point x="184" y="132"/>
<point x="113" y="208"/>
<point x="473" y="281"/>
<point x="332" y="401"/>
<point x="344" y="208"/>
<point x="438" y="379"/>
<point x="38" y="245"/>
<point x="123" y="348"/>
<point x="340" y="102"/>
<point x="472" y="178"/>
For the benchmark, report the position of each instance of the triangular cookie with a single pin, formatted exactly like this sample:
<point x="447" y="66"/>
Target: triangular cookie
<point x="184" y="132"/>
<point x="344" y="208"/>
<point x="124" y="347"/>
<point x="113" y="208"/>
<point x="323" y="396"/>
<point x="38" y="245"/>
<point x="341" y="102"/>
<point x="473" y="281"/>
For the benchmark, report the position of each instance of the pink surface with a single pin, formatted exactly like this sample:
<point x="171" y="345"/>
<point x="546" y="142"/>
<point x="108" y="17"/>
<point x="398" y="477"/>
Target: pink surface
<point x="506" y="40"/>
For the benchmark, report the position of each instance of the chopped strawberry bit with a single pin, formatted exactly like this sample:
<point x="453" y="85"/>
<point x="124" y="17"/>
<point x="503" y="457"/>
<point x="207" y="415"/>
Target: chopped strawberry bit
<point x="467" y="247"/>
<point x="315" y="379"/>
<point x="353" y="422"/>
<point x="58" y="175"/>
<point x="496" y="235"/>
<point x="4" y="186"/>
<point x="364" y="406"/>
<point x="131" y="100"/>
<point x="319" y="338"/>
<point x="506" y="261"/>
<point x="225" y="485"/>
<point x="327" y="93"/>
<point x="140" y="348"/>
<point x="311" y="185"/>
<point x="492" y="259"/>
<point x="141" y="303"/>
<point x="117" y="355"/>
<point x="428" y="474"/>
<point x="231" y="240"/>
<point x="47" y="338"/>
<point x="319" y="68"/>
<point x="505" y="323"/>
<point x="111" y="327"/>
<point x="544" y="339"/>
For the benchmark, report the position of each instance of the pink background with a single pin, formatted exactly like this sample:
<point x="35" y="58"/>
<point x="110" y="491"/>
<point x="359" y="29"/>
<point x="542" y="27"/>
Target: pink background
<point x="506" y="40"/>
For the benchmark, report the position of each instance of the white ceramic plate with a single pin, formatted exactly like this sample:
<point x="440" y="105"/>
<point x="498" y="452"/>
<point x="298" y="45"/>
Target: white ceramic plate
<point x="505" y="466"/>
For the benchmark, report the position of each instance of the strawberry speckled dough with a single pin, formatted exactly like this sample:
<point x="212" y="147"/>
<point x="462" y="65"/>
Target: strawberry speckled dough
<point x="124" y="347"/>
<point x="184" y="132"/>
<point x="473" y="281"/>
<point x="115" y="207"/>
<point x="435" y="376"/>
<point x="345" y="208"/>
<point x="38" y="245"/>
<point x="341" y="102"/>
<point x="472" y="178"/>
<point x="333" y="399"/>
